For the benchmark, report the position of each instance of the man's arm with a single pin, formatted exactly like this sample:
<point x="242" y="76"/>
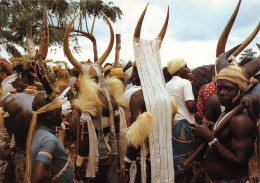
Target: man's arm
<point x="242" y="137"/>
<point x="189" y="98"/>
<point x="191" y="105"/>
<point x="41" y="173"/>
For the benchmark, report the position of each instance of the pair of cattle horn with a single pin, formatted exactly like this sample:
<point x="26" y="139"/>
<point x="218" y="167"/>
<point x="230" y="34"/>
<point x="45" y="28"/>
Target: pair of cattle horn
<point x="140" y="21"/>
<point x="44" y="44"/>
<point x="223" y="38"/>
<point x="223" y="59"/>
<point x="68" y="53"/>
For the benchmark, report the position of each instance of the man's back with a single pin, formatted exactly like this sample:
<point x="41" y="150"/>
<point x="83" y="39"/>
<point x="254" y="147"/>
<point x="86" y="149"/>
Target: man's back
<point x="181" y="90"/>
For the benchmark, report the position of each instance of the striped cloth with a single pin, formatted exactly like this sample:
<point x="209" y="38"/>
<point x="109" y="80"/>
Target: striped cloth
<point x="158" y="104"/>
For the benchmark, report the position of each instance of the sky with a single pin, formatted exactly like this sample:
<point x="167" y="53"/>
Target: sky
<point x="193" y="29"/>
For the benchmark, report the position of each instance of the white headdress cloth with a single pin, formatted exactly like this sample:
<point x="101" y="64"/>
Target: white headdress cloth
<point x="158" y="103"/>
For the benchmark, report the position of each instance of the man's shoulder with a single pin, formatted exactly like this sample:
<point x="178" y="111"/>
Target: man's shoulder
<point x="242" y="123"/>
<point x="177" y="81"/>
<point x="137" y="95"/>
<point x="45" y="135"/>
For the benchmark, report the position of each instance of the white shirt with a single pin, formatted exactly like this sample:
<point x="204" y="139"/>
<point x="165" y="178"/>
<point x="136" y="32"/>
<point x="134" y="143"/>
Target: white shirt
<point x="181" y="89"/>
<point x="128" y="93"/>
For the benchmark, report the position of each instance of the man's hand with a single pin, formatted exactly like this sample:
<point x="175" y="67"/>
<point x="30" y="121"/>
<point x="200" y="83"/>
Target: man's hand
<point x="79" y="173"/>
<point x="202" y="131"/>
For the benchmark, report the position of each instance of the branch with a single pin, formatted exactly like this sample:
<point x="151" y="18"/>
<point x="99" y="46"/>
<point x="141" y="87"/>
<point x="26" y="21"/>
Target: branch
<point x="91" y="37"/>
<point x="93" y="25"/>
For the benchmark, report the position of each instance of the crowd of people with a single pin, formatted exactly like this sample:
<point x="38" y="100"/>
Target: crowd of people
<point x="129" y="121"/>
<point x="231" y="154"/>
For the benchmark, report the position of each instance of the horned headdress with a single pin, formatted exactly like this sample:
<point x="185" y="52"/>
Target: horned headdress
<point x="157" y="102"/>
<point x="225" y="58"/>
<point x="92" y="104"/>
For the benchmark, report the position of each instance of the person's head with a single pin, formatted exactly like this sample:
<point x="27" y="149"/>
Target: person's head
<point x="128" y="65"/>
<point x="166" y="74"/>
<point x="118" y="73"/>
<point x="107" y="69"/>
<point x="231" y="83"/>
<point x="49" y="118"/>
<point x="178" y="67"/>
<point x="63" y="75"/>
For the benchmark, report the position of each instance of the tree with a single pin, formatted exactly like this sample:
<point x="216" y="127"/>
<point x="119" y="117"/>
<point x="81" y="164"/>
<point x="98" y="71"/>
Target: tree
<point x="14" y="15"/>
<point x="247" y="53"/>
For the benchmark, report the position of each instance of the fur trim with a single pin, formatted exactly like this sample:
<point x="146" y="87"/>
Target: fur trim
<point x="88" y="99"/>
<point x="116" y="90"/>
<point x="140" y="129"/>
<point x="174" y="107"/>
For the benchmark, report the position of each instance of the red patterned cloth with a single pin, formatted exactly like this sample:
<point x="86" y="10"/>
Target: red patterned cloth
<point x="205" y="92"/>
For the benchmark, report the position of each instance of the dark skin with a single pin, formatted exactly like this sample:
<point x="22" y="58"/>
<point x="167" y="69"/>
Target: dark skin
<point x="228" y="158"/>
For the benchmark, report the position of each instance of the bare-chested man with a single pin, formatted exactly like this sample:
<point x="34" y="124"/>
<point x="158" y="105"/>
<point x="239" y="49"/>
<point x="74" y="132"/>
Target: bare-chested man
<point x="229" y="151"/>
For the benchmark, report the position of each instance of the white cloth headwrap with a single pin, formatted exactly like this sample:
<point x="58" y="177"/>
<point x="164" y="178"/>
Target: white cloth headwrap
<point x="158" y="103"/>
<point x="93" y="157"/>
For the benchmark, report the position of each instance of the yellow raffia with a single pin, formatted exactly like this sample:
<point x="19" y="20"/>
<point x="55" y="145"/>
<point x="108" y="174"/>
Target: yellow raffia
<point x="88" y="99"/>
<point x="116" y="90"/>
<point x="140" y="129"/>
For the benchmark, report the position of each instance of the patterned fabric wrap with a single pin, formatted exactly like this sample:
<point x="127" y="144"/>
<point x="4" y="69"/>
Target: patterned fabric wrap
<point x="183" y="145"/>
<point x="201" y="75"/>
<point x="205" y="92"/>
<point x="93" y="158"/>
<point x="158" y="103"/>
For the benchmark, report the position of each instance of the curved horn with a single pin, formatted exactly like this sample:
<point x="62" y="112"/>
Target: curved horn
<point x="222" y="61"/>
<point x="251" y="68"/>
<point x="101" y="60"/>
<point x="163" y="31"/>
<point x="258" y="45"/>
<point x="29" y="41"/>
<point x="44" y="45"/>
<point x="223" y="38"/>
<point x="247" y="41"/>
<point x="66" y="48"/>
<point x="139" y="24"/>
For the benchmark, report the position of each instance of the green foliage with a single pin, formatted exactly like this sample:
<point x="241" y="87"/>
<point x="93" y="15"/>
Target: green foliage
<point x="15" y="14"/>
<point x="248" y="53"/>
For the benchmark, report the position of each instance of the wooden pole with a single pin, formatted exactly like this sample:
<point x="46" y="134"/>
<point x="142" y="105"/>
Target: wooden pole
<point x="118" y="47"/>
